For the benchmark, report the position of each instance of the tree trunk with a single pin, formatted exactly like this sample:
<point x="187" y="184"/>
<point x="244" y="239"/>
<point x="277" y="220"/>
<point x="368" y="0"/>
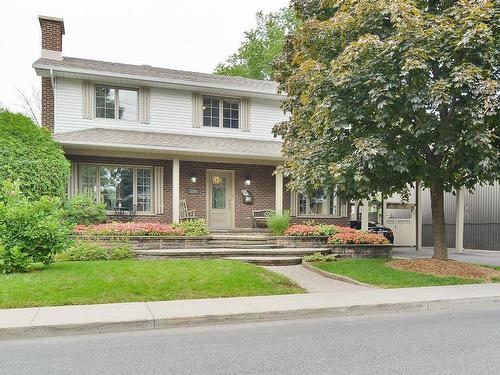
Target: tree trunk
<point x="438" y="224"/>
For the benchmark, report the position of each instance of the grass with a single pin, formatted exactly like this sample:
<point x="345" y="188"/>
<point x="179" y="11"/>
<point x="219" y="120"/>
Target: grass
<point x="375" y="272"/>
<point x="73" y="283"/>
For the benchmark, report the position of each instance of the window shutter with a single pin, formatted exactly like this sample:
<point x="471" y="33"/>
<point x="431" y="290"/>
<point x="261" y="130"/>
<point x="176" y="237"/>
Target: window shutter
<point x="197" y="110"/>
<point x="144" y="105"/>
<point x="245" y="115"/>
<point x="158" y="190"/>
<point x="88" y="104"/>
<point x="293" y="203"/>
<point x="73" y="180"/>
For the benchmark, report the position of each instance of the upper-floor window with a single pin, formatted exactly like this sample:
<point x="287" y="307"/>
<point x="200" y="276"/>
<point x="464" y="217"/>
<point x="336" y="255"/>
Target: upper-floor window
<point x="116" y="103"/>
<point x="221" y="112"/>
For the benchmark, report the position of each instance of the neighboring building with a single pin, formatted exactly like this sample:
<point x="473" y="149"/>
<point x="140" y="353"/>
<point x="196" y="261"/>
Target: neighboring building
<point x="152" y="138"/>
<point x="481" y="218"/>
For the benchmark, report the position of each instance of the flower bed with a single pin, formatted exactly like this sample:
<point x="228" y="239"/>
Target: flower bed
<point x="358" y="237"/>
<point x="316" y="230"/>
<point x="129" y="229"/>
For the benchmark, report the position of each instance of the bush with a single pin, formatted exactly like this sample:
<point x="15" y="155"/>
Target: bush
<point x="358" y="237"/>
<point x="129" y="229"/>
<point x="93" y="251"/>
<point x="13" y="260"/>
<point x="83" y="209"/>
<point x="303" y="230"/>
<point x="320" y="258"/>
<point x="29" y="154"/>
<point x="121" y="252"/>
<point x="193" y="228"/>
<point x="278" y="223"/>
<point x="37" y="228"/>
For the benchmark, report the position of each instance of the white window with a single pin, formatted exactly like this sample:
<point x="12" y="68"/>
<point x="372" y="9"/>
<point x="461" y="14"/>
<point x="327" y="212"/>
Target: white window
<point x="221" y="113"/>
<point x="320" y="203"/>
<point x="116" y="103"/>
<point x="118" y="186"/>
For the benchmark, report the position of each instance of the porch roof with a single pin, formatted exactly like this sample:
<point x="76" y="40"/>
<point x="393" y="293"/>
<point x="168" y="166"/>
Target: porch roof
<point x="175" y="144"/>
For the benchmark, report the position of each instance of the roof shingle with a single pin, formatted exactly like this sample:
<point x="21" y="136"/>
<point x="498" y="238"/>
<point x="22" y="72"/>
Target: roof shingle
<point x="175" y="143"/>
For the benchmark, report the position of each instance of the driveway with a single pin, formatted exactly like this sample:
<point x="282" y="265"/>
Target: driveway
<point x="486" y="257"/>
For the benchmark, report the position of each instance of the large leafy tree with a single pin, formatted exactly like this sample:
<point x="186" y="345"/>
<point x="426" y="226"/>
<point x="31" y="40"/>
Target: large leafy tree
<point x="254" y="58"/>
<point x="385" y="93"/>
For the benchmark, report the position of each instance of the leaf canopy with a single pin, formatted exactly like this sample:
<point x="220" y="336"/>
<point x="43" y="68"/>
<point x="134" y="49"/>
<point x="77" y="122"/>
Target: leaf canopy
<point x="385" y="93"/>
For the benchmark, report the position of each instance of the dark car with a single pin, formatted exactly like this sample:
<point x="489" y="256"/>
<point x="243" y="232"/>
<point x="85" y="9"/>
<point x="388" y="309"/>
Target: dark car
<point x="375" y="228"/>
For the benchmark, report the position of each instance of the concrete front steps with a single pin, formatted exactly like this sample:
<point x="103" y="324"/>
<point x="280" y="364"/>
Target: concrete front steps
<point x="239" y="241"/>
<point x="264" y="256"/>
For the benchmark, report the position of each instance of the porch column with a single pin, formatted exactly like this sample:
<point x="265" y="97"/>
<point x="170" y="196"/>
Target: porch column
<point x="175" y="190"/>
<point x="459" y="220"/>
<point x="364" y="215"/>
<point x="279" y="192"/>
<point x="418" y="216"/>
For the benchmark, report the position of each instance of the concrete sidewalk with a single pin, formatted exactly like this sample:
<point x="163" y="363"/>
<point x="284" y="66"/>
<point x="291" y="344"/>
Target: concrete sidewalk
<point x="84" y="319"/>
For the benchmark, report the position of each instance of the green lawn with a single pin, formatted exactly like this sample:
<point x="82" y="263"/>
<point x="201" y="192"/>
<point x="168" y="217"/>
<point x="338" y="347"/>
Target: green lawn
<point x="73" y="283"/>
<point x="375" y="272"/>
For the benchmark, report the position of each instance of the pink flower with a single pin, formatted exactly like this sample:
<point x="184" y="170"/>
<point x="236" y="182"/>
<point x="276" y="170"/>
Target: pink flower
<point x="129" y="229"/>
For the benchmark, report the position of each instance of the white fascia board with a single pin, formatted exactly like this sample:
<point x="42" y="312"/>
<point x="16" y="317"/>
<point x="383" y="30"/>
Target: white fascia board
<point x="170" y="150"/>
<point x="44" y="70"/>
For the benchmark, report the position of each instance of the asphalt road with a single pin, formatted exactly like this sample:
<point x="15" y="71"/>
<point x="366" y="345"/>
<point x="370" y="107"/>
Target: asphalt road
<point x="438" y="343"/>
<point x="491" y="258"/>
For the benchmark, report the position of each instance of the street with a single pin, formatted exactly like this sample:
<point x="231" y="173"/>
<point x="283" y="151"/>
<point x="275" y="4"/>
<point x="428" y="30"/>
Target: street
<point x="455" y="343"/>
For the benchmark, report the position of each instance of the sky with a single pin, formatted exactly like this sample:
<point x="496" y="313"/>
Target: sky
<point x="191" y="35"/>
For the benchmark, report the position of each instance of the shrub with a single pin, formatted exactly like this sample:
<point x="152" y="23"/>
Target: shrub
<point x="29" y="154"/>
<point x="37" y="228"/>
<point x="129" y="229"/>
<point x="320" y="258"/>
<point x="83" y="209"/>
<point x="302" y="230"/>
<point x="121" y="252"/>
<point x="93" y="251"/>
<point x="278" y="223"/>
<point x="359" y="238"/>
<point x="13" y="260"/>
<point x="193" y="228"/>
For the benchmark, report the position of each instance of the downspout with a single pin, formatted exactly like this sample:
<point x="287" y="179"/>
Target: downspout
<point x="52" y="82"/>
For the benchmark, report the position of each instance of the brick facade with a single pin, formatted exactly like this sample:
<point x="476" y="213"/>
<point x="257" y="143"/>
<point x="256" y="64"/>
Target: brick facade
<point x="262" y="187"/>
<point x="52" y="32"/>
<point x="47" y="104"/>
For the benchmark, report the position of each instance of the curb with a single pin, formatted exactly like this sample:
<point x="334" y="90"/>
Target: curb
<point x="334" y="276"/>
<point x="257" y="316"/>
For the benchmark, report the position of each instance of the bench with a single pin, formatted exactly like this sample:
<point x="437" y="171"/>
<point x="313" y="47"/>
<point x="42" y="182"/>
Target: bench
<point x="260" y="216"/>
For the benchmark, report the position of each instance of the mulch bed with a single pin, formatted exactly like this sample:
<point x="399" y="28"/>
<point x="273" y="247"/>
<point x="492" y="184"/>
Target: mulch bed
<point x="445" y="268"/>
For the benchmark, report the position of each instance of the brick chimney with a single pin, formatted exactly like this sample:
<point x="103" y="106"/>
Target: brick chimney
<point x="52" y="33"/>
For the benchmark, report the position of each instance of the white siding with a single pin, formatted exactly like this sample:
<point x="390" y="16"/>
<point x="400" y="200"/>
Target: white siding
<point x="171" y="112"/>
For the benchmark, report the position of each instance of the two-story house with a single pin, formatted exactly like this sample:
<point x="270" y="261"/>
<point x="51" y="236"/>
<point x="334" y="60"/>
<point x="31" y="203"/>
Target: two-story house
<point x="151" y="138"/>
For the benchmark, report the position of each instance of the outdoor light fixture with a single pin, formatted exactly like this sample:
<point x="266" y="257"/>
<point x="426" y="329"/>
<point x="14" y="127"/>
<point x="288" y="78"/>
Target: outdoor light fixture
<point x="193" y="179"/>
<point x="248" y="180"/>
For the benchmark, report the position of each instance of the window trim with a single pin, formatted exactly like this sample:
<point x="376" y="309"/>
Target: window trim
<point x="134" y="168"/>
<point x="117" y="101"/>
<point x="338" y="214"/>
<point x="221" y="100"/>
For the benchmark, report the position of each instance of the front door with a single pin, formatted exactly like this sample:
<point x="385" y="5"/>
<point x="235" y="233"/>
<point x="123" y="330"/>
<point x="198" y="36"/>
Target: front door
<point x="220" y="199"/>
